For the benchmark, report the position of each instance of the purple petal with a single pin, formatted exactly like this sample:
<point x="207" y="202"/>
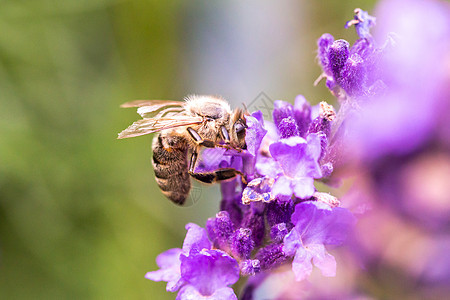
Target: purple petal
<point x="223" y="293"/>
<point x="314" y="146"/>
<point x="301" y="266"/>
<point x="323" y="260"/>
<point x="302" y="114"/>
<point x="254" y="133"/>
<point x="363" y="47"/>
<point x="272" y="131"/>
<point x="209" y="270"/>
<point x="363" y="23"/>
<point x="297" y="157"/>
<point x="282" y="110"/>
<point x="189" y="293"/>
<point x="168" y="258"/>
<point x="169" y="262"/>
<point x="267" y="166"/>
<point x="317" y="223"/>
<point x="323" y="45"/>
<point x="282" y="186"/>
<point x="289" y="153"/>
<point x="196" y="238"/>
<point x="258" y="115"/>
<point x="211" y="159"/>
<point x="292" y="241"/>
<point x="303" y="187"/>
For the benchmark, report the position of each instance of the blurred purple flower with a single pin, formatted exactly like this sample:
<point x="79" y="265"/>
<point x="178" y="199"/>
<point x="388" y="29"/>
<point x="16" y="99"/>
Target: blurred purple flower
<point x="415" y="104"/>
<point x="354" y="69"/>
<point x="398" y="139"/>
<point x="362" y="22"/>
<point x="402" y="134"/>
<point x="316" y="225"/>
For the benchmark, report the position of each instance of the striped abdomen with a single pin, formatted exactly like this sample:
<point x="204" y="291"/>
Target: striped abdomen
<point x="171" y="166"/>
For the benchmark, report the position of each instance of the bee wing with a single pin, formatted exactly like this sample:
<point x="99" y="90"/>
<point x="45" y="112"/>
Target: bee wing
<point x="149" y="108"/>
<point x="159" y="103"/>
<point x="150" y="125"/>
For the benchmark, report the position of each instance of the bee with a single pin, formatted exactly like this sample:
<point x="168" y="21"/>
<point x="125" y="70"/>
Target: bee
<point x="184" y="127"/>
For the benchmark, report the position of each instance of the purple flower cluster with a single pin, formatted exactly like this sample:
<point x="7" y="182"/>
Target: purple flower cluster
<point x="353" y="71"/>
<point x="198" y="271"/>
<point x="395" y="100"/>
<point x="293" y="151"/>
<point x="278" y="218"/>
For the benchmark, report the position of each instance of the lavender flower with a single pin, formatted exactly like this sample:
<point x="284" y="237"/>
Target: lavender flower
<point x="362" y="22"/>
<point x="416" y="79"/>
<point x="298" y="161"/>
<point x="256" y="133"/>
<point x="169" y="264"/>
<point x="255" y="231"/>
<point x="316" y="225"/>
<point x="395" y="103"/>
<point x="197" y="271"/>
<point x="169" y="261"/>
<point x="208" y="274"/>
<point x="353" y="70"/>
<point x="291" y="153"/>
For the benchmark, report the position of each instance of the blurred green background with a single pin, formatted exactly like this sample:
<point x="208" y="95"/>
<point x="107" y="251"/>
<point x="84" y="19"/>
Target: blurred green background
<point x="80" y="214"/>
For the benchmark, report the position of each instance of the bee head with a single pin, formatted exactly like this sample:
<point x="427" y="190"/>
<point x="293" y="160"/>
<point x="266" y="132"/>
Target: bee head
<point x="238" y="126"/>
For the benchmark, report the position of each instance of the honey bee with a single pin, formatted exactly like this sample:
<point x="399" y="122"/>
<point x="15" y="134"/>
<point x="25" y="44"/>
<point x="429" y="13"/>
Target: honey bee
<point x="184" y="127"/>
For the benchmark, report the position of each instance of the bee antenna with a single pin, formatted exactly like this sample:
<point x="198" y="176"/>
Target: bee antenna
<point x="246" y="112"/>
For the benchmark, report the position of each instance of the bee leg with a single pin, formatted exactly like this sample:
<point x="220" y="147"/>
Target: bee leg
<point x="194" y="157"/>
<point x="225" y="134"/>
<point x="208" y="143"/>
<point x="218" y="175"/>
<point x="199" y="140"/>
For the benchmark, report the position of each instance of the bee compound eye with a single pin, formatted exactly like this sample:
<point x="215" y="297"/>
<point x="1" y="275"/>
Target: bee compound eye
<point x="239" y="127"/>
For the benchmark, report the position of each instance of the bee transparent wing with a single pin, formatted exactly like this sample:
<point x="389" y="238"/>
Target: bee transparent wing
<point x="151" y="125"/>
<point x="149" y="108"/>
<point x="160" y="103"/>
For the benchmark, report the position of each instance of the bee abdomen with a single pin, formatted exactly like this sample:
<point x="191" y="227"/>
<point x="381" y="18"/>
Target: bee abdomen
<point x="171" y="167"/>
